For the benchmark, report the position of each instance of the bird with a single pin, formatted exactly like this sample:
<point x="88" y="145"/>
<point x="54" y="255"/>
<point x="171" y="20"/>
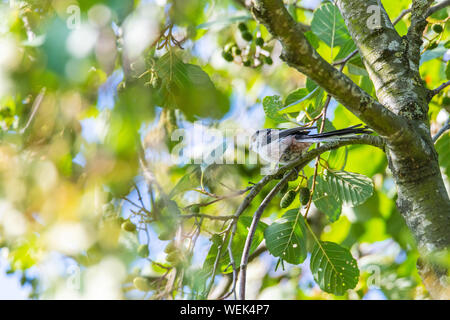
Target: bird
<point x="285" y="145"/>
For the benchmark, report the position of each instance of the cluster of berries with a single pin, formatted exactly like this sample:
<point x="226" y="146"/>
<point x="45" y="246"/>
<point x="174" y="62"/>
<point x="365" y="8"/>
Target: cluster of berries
<point x="253" y="55"/>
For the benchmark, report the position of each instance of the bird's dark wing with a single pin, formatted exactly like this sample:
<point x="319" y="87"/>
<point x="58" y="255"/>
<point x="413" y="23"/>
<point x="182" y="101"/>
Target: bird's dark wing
<point x="294" y="131"/>
<point x="357" y="129"/>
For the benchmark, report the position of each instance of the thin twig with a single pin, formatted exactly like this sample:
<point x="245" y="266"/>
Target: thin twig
<point x="252" y="230"/>
<point x="400" y="17"/>
<point x="434" y="92"/>
<point x="36" y="104"/>
<point x="225" y="293"/>
<point x="438" y="7"/>
<point x="206" y="216"/>
<point x="444" y="128"/>
<point x="346" y="59"/>
<point x="216" y="263"/>
<point x="217" y="197"/>
<point x="316" y="167"/>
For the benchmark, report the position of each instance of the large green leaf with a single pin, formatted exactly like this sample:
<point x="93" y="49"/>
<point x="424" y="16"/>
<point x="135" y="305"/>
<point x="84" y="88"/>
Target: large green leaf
<point x="329" y="26"/>
<point x="188" y="88"/>
<point x="350" y="188"/>
<point x="285" y="238"/>
<point x="300" y="99"/>
<point x="443" y="150"/>
<point x="333" y="267"/>
<point x="324" y="199"/>
<point x="346" y="49"/>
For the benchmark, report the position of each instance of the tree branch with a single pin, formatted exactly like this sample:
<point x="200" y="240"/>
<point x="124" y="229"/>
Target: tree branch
<point x="444" y="128"/>
<point x="299" y="54"/>
<point x="401" y="15"/>
<point x="438" y="7"/>
<point x="434" y="92"/>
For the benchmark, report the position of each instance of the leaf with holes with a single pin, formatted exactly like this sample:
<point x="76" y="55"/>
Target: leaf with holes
<point x="286" y="237"/>
<point x="329" y="26"/>
<point x="333" y="267"/>
<point x="324" y="199"/>
<point x="350" y="188"/>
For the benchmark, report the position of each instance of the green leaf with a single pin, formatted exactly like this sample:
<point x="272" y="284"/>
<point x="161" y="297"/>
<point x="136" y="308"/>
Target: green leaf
<point x="285" y="238"/>
<point x="329" y="25"/>
<point x="443" y="150"/>
<point x="333" y="267"/>
<point x="188" y="88"/>
<point x="428" y="55"/>
<point x="346" y="49"/>
<point x="350" y="188"/>
<point x="296" y="96"/>
<point x="189" y="181"/>
<point x="357" y="70"/>
<point x="312" y="39"/>
<point x="324" y="199"/>
<point x="271" y="106"/>
<point x="300" y="99"/>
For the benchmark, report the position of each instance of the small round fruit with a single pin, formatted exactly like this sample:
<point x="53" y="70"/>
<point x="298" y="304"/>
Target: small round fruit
<point x="304" y="196"/>
<point x="227" y="56"/>
<point x="287" y="199"/>
<point x="247" y="36"/>
<point x="128" y="226"/>
<point x="142" y="284"/>
<point x="236" y="51"/>
<point x="268" y="60"/>
<point x="143" y="251"/>
<point x="166" y="235"/>
<point x="438" y="28"/>
<point x="242" y="26"/>
<point x="284" y="189"/>
<point x="259" y="41"/>
<point x="171" y="247"/>
<point x="247" y="63"/>
<point x="174" y="258"/>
